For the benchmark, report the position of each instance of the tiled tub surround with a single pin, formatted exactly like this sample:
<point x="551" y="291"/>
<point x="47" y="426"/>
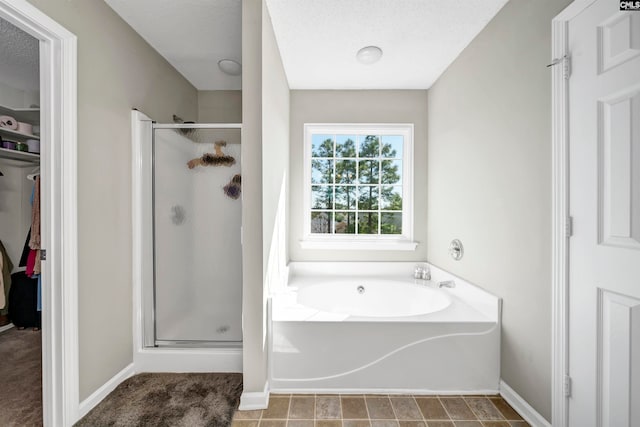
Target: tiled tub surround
<point x="452" y="351"/>
<point x="381" y="411"/>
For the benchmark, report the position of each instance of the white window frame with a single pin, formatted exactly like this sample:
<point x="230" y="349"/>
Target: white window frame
<point x="402" y="241"/>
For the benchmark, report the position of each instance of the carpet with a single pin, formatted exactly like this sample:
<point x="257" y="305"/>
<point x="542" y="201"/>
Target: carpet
<point x="20" y="378"/>
<point x="176" y="400"/>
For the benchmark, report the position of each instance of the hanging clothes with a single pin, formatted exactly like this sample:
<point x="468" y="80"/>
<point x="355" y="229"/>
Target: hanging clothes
<point x="5" y="278"/>
<point x="32" y="246"/>
<point x="31" y="262"/>
<point x="34" y="243"/>
<point x="25" y="250"/>
<point x="39" y="302"/>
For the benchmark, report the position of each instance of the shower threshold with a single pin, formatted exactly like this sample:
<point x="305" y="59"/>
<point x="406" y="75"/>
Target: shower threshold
<point x="198" y="344"/>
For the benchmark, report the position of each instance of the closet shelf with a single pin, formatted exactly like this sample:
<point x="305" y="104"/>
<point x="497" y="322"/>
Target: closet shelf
<point x="19" y="155"/>
<point x="13" y="134"/>
<point x="27" y="115"/>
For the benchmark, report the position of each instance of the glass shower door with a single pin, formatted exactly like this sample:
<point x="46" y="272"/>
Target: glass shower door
<point x="197" y="250"/>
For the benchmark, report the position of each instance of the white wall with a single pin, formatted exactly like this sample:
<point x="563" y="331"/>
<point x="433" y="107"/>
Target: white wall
<point x="15" y="207"/>
<point x="489" y="181"/>
<point x="275" y="145"/>
<point x="354" y="106"/>
<point x="18" y="98"/>
<point x="117" y="70"/>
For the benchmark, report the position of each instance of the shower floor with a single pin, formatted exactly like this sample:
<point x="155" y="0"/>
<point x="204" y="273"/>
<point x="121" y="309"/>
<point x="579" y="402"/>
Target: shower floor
<point x="197" y="326"/>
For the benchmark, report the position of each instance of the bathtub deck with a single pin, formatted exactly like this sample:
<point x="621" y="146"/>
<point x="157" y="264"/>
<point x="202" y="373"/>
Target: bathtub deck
<point x="286" y="309"/>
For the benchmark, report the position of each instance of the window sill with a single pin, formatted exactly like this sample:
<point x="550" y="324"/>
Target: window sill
<point x="360" y="245"/>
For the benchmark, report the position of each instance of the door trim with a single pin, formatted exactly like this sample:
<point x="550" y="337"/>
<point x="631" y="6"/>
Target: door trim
<point x="560" y="211"/>
<point x="58" y="162"/>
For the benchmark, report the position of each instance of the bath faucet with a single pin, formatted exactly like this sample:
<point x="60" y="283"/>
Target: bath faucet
<point x="447" y="284"/>
<point x="422" y="273"/>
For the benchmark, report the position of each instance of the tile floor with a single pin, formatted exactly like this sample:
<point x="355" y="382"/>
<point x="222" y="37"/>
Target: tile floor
<point x="299" y="410"/>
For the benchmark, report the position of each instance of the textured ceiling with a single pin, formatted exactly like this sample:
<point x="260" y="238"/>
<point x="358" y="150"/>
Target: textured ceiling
<point x="193" y="35"/>
<point x="19" y="58"/>
<point x="318" y="40"/>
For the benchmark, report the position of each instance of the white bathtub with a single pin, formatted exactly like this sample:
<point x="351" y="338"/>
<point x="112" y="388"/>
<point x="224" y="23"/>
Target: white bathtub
<point x="372" y="297"/>
<point x="371" y="328"/>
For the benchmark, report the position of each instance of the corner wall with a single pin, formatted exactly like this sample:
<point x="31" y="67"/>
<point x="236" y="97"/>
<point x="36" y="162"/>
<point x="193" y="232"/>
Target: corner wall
<point x="358" y="106"/>
<point x="490" y="182"/>
<point x="254" y="354"/>
<point x="117" y="70"/>
<point x="265" y="147"/>
<point x="275" y="149"/>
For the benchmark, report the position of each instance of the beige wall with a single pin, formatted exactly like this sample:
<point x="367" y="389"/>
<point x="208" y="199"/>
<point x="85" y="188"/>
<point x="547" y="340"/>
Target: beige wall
<point x="254" y="356"/>
<point x="490" y="182"/>
<point x="117" y="70"/>
<point x="265" y="144"/>
<point x="354" y="106"/>
<point x="219" y="106"/>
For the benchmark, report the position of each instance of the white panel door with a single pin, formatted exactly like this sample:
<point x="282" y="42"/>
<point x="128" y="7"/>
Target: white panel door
<point x="604" y="274"/>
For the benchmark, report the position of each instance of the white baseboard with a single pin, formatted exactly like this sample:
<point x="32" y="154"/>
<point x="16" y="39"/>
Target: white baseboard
<point x="96" y="397"/>
<point x="522" y="407"/>
<point x="255" y="400"/>
<point x="417" y="392"/>
<point x="6" y="327"/>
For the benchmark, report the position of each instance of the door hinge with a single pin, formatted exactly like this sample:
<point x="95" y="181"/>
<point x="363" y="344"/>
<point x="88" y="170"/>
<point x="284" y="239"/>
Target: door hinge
<point x="567" y="386"/>
<point x="43" y="254"/>
<point x="566" y="65"/>
<point x="568" y="227"/>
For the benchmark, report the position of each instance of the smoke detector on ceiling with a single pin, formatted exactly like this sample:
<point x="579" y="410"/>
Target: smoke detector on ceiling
<point x="230" y="67"/>
<point x="369" y="55"/>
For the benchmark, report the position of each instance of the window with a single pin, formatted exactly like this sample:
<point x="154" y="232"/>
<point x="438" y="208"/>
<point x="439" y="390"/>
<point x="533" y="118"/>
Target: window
<point x="358" y="186"/>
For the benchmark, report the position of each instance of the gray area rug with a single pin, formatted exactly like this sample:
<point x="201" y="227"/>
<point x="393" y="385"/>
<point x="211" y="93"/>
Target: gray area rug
<point x="20" y="378"/>
<point x="180" y="400"/>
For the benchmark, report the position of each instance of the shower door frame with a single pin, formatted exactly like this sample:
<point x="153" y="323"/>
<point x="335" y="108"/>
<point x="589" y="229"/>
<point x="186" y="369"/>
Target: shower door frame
<point x="151" y="339"/>
<point x="147" y="357"/>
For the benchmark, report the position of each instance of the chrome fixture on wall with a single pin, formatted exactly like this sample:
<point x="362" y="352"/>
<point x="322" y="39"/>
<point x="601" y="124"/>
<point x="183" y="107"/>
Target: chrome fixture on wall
<point x="456" y="250"/>
<point x="447" y="284"/>
<point x="422" y="273"/>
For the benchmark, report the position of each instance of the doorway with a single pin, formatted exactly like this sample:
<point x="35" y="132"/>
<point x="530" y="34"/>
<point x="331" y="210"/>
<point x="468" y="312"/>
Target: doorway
<point x="596" y="215"/>
<point x="20" y="231"/>
<point x="58" y="170"/>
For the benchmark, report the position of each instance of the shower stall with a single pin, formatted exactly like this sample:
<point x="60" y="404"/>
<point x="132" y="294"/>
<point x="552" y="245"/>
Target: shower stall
<point x="187" y="246"/>
<point x="197" y="215"/>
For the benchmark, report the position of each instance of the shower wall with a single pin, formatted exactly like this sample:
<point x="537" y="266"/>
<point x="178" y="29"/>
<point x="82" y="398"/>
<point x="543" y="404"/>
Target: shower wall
<point x="198" y="257"/>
